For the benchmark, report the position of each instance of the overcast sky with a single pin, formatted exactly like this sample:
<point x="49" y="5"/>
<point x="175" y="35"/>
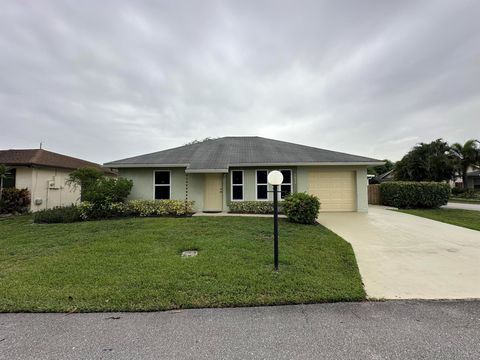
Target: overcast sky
<point x="104" y="80"/>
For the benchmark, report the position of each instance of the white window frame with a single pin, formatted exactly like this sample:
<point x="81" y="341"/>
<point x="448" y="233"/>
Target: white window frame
<point x="290" y="183"/>
<point x="232" y="184"/>
<point x="169" y="184"/>
<point x="256" y="185"/>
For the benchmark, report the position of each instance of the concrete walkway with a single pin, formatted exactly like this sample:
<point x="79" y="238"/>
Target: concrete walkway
<point x="375" y="330"/>
<point x="402" y="256"/>
<point x="454" y="205"/>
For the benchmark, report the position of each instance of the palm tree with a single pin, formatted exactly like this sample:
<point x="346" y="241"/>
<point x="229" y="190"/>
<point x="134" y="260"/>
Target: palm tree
<point x="3" y="175"/>
<point x="467" y="155"/>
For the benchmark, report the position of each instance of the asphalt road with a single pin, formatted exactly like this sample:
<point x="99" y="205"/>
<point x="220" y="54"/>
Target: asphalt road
<point x="453" y="205"/>
<point x="370" y="330"/>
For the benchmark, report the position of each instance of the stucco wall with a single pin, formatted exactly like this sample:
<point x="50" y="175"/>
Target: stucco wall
<point x="36" y="180"/>
<point x="143" y="183"/>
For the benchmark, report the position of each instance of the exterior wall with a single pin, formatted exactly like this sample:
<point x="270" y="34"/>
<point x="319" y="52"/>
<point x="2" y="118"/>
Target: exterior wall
<point x="143" y="182"/>
<point x="191" y="186"/>
<point x="36" y="180"/>
<point x="473" y="182"/>
<point x="249" y="184"/>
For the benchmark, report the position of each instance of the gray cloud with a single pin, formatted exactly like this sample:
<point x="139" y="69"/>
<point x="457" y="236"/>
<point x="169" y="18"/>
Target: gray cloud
<point x="111" y="79"/>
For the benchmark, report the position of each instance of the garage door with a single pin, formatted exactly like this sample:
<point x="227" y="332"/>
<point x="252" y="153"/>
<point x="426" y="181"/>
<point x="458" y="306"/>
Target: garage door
<point x="335" y="189"/>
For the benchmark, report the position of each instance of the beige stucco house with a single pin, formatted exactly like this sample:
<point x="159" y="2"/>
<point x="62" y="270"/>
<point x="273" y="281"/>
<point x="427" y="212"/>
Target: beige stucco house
<point x="44" y="174"/>
<point x="216" y="172"/>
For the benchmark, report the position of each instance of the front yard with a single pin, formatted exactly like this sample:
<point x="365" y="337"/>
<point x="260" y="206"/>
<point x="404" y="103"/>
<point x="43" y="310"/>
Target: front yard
<point x="466" y="218"/>
<point x="135" y="265"/>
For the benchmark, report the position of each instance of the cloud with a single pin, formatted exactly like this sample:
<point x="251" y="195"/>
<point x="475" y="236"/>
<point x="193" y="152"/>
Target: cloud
<point x="111" y="79"/>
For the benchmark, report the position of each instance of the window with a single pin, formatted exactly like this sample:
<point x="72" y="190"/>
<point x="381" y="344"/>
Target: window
<point x="9" y="180"/>
<point x="237" y="185"/>
<point x="262" y="184"/>
<point x="161" y="185"/>
<point x="286" y="187"/>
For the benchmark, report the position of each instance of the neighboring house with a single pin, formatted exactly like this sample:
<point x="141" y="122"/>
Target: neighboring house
<point x="44" y="174"/>
<point x="473" y="179"/>
<point x="216" y="172"/>
<point x="387" y="176"/>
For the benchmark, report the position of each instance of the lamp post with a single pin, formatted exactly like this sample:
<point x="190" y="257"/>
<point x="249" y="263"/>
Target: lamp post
<point x="275" y="178"/>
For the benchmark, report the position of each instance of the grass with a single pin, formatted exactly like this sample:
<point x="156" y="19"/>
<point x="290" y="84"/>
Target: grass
<point x="135" y="265"/>
<point x="464" y="200"/>
<point x="466" y="218"/>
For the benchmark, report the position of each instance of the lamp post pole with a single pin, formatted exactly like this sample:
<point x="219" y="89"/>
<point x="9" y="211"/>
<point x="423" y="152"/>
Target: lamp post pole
<point x="275" y="178"/>
<point x="275" y="226"/>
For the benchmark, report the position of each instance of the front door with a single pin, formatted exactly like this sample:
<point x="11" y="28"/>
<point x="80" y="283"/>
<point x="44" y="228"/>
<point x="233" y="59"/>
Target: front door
<point x="213" y="193"/>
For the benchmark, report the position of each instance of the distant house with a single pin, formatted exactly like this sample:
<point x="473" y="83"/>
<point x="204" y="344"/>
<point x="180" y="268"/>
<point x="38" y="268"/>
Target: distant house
<point x="387" y="176"/>
<point x="473" y="179"/>
<point x="215" y="173"/>
<point x="44" y="174"/>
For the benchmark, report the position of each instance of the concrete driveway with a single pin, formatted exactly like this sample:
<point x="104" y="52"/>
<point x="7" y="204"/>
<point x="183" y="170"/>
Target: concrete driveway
<point x="402" y="256"/>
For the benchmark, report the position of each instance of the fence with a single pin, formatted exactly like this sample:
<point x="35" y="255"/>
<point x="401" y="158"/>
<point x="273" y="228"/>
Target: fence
<point x="374" y="194"/>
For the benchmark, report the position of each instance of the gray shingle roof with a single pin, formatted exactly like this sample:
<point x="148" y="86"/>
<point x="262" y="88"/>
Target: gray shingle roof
<point x="220" y="154"/>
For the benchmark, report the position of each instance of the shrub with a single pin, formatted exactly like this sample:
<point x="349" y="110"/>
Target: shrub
<point x="108" y="190"/>
<point x="160" y="207"/>
<point x="143" y="208"/>
<point x="84" y="177"/>
<point x="66" y="214"/>
<point x="14" y="201"/>
<point x="465" y="193"/>
<point x="301" y="208"/>
<point x="406" y="194"/>
<point x="459" y="191"/>
<point x="253" y="207"/>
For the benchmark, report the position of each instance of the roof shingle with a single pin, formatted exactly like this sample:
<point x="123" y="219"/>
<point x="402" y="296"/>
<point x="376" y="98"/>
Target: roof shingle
<point x="222" y="153"/>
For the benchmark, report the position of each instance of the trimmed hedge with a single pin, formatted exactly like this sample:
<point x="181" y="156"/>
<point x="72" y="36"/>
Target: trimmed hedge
<point x="66" y="214"/>
<point x="301" y="208"/>
<point x="15" y="201"/>
<point x="89" y="211"/>
<point x="412" y="194"/>
<point x="253" y="207"/>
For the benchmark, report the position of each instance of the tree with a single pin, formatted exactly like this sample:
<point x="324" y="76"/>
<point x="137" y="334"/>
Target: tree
<point x="466" y="155"/>
<point x="85" y="178"/>
<point x="427" y="162"/>
<point x="196" y="141"/>
<point x="381" y="169"/>
<point x="3" y="175"/>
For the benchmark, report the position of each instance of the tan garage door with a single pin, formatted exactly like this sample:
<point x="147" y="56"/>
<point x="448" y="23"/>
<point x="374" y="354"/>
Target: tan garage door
<point x="335" y="189"/>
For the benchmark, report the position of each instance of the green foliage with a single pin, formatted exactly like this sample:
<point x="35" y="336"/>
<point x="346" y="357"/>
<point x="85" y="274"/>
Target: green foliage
<point x="67" y="214"/>
<point x="381" y="169"/>
<point x="427" y="162"/>
<point x="90" y="211"/>
<point x="465" y="193"/>
<point x="107" y="190"/>
<point x="161" y="207"/>
<point x="14" y="201"/>
<point x="465" y="156"/>
<point x="253" y="207"/>
<point x="84" y="177"/>
<point x="301" y="208"/>
<point x="410" y="194"/>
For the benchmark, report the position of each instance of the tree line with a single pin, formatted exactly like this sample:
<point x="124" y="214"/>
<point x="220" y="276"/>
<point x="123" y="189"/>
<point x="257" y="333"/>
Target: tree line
<point x="435" y="161"/>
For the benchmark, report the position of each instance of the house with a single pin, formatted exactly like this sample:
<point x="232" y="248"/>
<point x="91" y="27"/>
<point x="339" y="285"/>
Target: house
<point x="387" y="176"/>
<point x="216" y="172"/>
<point x="473" y="179"/>
<point x="44" y="174"/>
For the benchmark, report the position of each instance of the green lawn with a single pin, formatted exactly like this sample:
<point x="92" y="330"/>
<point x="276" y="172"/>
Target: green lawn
<point x="466" y="218"/>
<point x="464" y="200"/>
<point x="135" y="264"/>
